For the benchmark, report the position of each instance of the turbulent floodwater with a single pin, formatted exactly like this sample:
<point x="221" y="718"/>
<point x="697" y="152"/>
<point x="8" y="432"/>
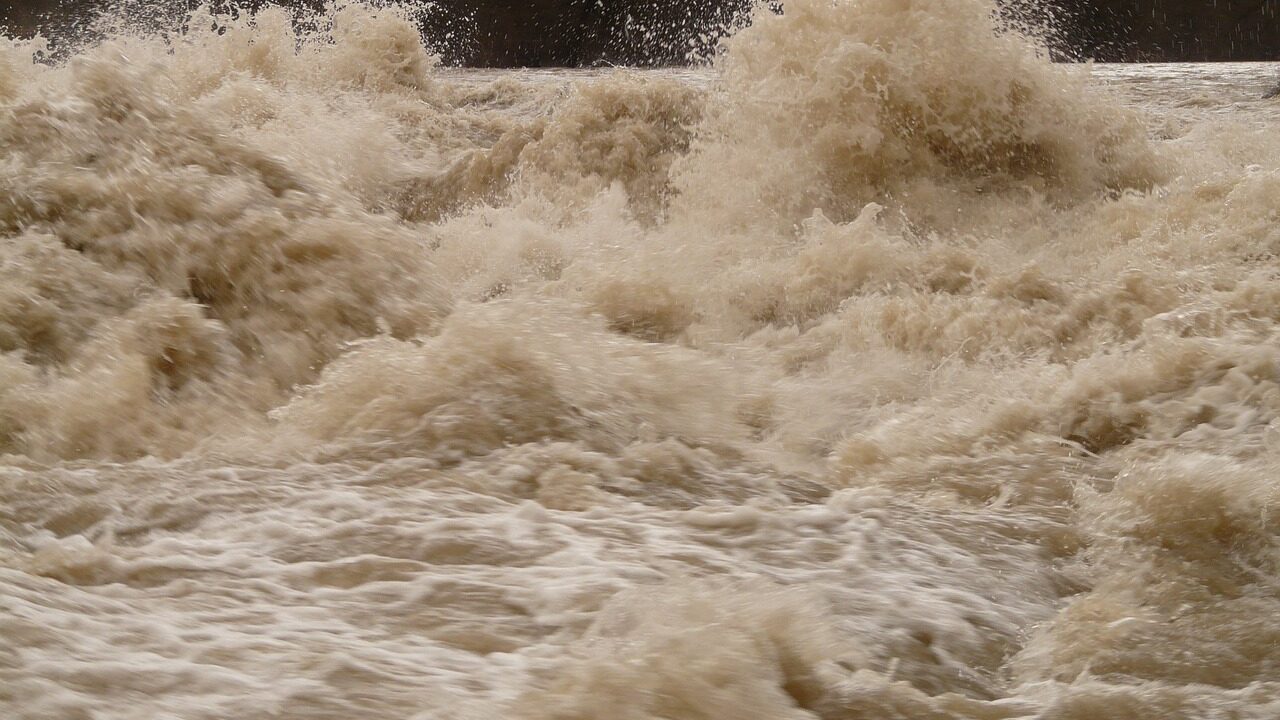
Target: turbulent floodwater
<point x="885" y="370"/>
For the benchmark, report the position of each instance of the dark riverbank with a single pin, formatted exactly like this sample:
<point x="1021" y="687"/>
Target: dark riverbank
<point x="489" y="33"/>
<point x="1174" y="30"/>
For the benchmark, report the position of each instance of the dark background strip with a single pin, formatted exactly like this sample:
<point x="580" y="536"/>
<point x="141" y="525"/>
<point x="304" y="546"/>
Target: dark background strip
<point x="507" y="33"/>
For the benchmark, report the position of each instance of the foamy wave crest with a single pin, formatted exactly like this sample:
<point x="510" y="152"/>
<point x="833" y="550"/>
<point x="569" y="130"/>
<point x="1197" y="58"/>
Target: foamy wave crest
<point x="172" y="257"/>
<point x="843" y="103"/>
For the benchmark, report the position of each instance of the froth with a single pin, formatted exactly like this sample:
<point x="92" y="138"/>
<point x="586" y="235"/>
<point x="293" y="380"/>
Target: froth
<point x="885" y="369"/>
<point x="158" y="237"/>
<point x="900" y="95"/>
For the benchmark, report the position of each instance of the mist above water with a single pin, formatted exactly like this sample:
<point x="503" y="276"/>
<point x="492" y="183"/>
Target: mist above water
<point x="884" y="369"/>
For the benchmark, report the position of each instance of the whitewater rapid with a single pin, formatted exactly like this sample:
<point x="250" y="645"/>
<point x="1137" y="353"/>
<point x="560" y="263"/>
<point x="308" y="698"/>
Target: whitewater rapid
<point x="882" y="370"/>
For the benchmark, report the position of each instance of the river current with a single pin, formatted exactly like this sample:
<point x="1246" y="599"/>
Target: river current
<point x="883" y="369"/>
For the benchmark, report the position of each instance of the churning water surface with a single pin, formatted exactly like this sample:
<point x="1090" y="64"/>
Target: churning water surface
<point x="885" y="370"/>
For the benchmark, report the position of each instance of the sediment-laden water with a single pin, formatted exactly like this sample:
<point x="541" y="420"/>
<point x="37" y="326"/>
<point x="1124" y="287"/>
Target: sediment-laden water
<point x="884" y="370"/>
